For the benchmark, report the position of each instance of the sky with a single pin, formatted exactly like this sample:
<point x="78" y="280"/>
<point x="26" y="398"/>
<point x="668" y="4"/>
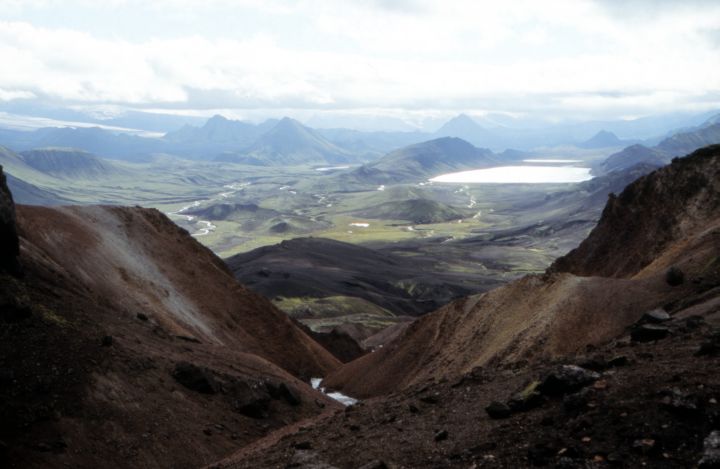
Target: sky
<point x="407" y="59"/>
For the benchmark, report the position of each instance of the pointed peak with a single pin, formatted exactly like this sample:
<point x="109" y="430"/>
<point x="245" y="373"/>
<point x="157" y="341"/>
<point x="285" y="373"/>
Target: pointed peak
<point x="215" y="121"/>
<point x="461" y="121"/>
<point x="602" y="138"/>
<point x="462" y="117"/>
<point x="288" y="123"/>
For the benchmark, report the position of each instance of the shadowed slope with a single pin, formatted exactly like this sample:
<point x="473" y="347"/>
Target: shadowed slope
<point x="649" y="215"/>
<point x="9" y="245"/>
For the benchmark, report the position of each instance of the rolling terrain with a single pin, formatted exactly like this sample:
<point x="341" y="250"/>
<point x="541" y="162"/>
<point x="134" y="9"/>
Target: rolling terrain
<point x="592" y="364"/>
<point x="326" y="283"/>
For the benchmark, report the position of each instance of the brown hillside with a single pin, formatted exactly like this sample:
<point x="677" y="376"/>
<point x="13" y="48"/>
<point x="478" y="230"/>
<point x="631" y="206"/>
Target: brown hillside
<point x="127" y="344"/>
<point x="537" y="318"/>
<point x="658" y="209"/>
<point x="140" y="262"/>
<point x="653" y="405"/>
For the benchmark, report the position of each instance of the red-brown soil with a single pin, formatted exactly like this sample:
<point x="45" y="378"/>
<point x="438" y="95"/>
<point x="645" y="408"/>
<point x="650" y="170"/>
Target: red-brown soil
<point x="652" y="411"/>
<point x="110" y="302"/>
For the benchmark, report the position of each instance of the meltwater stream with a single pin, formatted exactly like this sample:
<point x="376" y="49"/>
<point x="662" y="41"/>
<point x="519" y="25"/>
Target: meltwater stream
<point x="341" y="398"/>
<point x="208" y="226"/>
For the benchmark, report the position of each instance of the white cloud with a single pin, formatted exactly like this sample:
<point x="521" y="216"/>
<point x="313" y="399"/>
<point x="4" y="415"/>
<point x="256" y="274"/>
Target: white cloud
<point x="556" y="56"/>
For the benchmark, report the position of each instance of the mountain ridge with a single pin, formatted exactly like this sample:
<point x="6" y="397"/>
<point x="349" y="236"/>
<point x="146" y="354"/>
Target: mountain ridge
<point x="676" y="145"/>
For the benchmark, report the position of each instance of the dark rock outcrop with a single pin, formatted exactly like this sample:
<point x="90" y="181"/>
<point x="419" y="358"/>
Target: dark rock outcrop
<point x="194" y="378"/>
<point x="498" y="410"/>
<point x="285" y="392"/>
<point x="567" y="379"/>
<point x="9" y="244"/>
<point x="251" y="400"/>
<point x="674" y="276"/>
<point x="649" y="333"/>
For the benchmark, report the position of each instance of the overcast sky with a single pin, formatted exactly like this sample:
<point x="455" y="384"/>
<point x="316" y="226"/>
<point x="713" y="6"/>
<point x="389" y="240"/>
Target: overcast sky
<point x="553" y="58"/>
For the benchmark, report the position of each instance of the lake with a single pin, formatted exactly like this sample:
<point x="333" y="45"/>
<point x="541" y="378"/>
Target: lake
<point x="525" y="174"/>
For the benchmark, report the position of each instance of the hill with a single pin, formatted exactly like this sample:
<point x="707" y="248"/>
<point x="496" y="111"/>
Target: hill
<point x="94" y="140"/>
<point x="603" y="139"/>
<point x="13" y="163"/>
<point x="291" y="143"/>
<point x="29" y="194"/>
<point x="322" y="268"/>
<point x="464" y="127"/>
<point x="69" y="163"/>
<point x="642" y="233"/>
<point x="425" y="160"/>
<point x="127" y="343"/>
<point x="679" y="144"/>
<point x="419" y="211"/>
<point x="18" y="172"/>
<point x="233" y="211"/>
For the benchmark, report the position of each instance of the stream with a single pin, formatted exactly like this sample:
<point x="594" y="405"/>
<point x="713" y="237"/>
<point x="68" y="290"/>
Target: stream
<point x="341" y="398"/>
<point x="208" y="226"/>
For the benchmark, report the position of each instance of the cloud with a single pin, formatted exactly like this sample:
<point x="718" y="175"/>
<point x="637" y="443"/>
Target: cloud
<point x="557" y="56"/>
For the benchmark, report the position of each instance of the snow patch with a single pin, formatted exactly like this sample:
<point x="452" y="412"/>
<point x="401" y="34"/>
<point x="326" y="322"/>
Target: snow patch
<point x="341" y="398"/>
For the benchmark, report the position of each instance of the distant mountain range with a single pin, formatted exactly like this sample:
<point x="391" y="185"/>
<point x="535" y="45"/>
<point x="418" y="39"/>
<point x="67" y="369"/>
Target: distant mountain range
<point x="289" y="142"/>
<point x="272" y="142"/>
<point x="662" y="153"/>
